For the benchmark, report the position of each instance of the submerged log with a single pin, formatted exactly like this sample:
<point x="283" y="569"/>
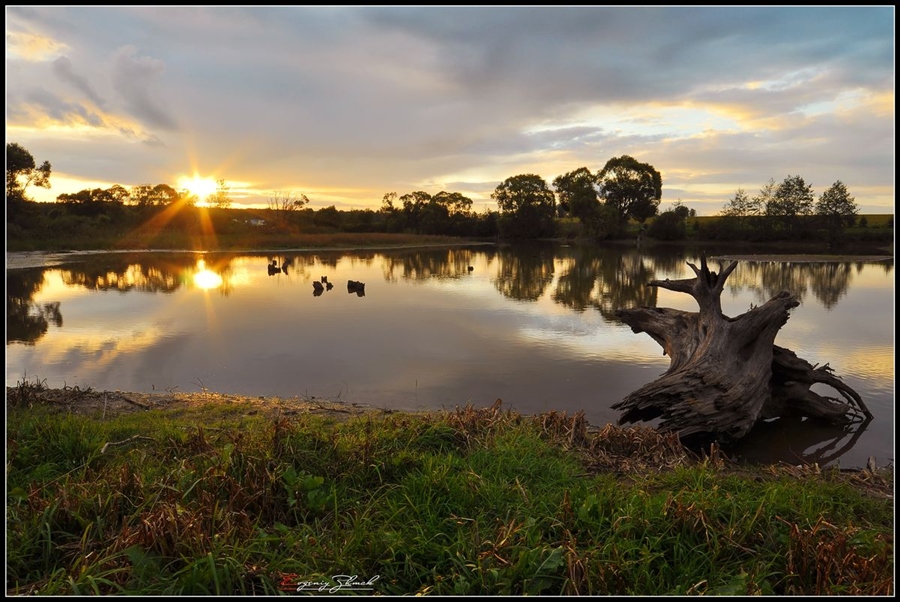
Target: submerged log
<point x="726" y="373"/>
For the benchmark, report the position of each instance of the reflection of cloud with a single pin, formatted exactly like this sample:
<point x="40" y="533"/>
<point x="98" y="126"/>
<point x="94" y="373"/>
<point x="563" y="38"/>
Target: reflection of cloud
<point x="871" y="361"/>
<point x="91" y="350"/>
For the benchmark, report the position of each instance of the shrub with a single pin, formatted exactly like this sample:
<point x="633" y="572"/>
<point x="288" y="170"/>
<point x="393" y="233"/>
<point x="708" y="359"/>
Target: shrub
<point x="669" y="225"/>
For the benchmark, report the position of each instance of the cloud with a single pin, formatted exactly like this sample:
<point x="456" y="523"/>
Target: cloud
<point x="359" y="101"/>
<point x="62" y="68"/>
<point x="45" y="107"/>
<point x="134" y="78"/>
<point x="31" y="47"/>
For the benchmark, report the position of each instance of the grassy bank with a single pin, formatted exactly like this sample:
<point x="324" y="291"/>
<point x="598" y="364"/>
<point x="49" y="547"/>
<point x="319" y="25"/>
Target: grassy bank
<point x="250" y="498"/>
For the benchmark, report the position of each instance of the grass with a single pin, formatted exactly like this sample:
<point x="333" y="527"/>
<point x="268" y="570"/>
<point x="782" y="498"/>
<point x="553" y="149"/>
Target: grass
<point x="228" y="501"/>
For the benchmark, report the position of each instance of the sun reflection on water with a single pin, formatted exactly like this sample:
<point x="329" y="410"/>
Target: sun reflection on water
<point x="205" y="278"/>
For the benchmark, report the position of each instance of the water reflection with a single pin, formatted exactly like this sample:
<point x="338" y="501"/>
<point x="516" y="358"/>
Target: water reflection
<point x="524" y="273"/>
<point x="426" y="264"/>
<point x="606" y="279"/>
<point x="799" y="441"/>
<point x="27" y="321"/>
<point x="532" y="324"/>
<point x="206" y="278"/>
<point x="148" y="273"/>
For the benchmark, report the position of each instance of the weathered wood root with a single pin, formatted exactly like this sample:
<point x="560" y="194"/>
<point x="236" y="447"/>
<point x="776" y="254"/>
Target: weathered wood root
<point x="726" y="373"/>
<point x="792" y="377"/>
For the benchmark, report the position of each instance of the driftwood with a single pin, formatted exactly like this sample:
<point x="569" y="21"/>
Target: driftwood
<point x="726" y="373"/>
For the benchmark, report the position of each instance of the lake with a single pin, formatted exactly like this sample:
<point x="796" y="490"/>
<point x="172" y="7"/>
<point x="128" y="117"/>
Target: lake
<point x="433" y="328"/>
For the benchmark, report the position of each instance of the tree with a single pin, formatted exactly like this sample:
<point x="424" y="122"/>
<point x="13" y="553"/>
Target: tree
<point x="527" y="206"/>
<point x="220" y="198"/>
<point x="455" y="202"/>
<point x="633" y="188"/>
<point x="414" y="204"/>
<point x="21" y="172"/>
<point x="742" y="213"/>
<point x="95" y="201"/>
<point x="393" y="218"/>
<point x="387" y="202"/>
<point x="669" y="225"/>
<point x="161" y="195"/>
<point x="837" y="209"/>
<point x="682" y="211"/>
<point x="286" y="204"/>
<point x="726" y="373"/>
<point x="286" y="201"/>
<point x="577" y="193"/>
<point x="792" y="199"/>
<point x="446" y="213"/>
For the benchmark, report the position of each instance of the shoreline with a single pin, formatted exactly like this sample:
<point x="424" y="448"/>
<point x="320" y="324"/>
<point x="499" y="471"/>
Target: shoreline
<point x="32" y="259"/>
<point x="107" y="405"/>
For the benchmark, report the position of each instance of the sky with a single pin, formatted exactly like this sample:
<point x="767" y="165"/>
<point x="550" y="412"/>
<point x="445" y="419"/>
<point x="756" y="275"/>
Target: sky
<point x="346" y="104"/>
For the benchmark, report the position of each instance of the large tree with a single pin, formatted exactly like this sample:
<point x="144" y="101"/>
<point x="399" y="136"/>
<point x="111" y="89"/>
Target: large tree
<point x="527" y="206"/>
<point x="837" y="209"/>
<point x="633" y="188"/>
<point x="446" y="213"/>
<point x="21" y="171"/>
<point x="793" y="198"/>
<point x="577" y="192"/>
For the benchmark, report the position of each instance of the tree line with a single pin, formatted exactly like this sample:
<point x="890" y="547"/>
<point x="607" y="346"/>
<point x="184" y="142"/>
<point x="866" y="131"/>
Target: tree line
<point x="619" y="198"/>
<point x="787" y="210"/>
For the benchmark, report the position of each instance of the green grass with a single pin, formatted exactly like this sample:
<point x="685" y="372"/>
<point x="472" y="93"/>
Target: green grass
<point x="215" y="500"/>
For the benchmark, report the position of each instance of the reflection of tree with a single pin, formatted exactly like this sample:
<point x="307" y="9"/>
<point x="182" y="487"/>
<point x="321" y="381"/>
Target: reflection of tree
<point x="146" y="273"/>
<point x="123" y="274"/>
<point x="766" y="279"/>
<point x="830" y="281"/>
<point x="887" y="266"/>
<point x="607" y="279"/>
<point x="327" y="259"/>
<point x="27" y="321"/>
<point x="524" y="272"/>
<point x="827" y="280"/>
<point x="424" y="264"/>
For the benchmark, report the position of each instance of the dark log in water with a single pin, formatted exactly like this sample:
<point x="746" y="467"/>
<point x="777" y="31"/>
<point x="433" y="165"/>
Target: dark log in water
<point x="726" y="373"/>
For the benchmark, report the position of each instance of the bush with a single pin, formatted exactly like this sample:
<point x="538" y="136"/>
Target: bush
<point x="669" y="225"/>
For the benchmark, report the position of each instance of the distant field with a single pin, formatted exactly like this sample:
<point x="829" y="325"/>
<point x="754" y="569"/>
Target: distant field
<point x="874" y="220"/>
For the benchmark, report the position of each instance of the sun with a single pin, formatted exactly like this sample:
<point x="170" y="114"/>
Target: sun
<point x="198" y="186"/>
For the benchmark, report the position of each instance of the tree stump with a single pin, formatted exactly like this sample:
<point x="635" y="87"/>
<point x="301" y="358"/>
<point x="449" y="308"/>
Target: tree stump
<point x="726" y="373"/>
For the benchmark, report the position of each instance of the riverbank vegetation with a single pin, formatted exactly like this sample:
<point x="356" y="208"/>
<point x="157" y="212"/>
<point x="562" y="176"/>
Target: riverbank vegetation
<point x="251" y="497"/>
<point x="618" y="202"/>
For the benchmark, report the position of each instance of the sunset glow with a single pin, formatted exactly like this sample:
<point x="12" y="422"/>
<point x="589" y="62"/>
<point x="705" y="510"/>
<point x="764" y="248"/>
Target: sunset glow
<point x="198" y="186"/>
<point x="714" y="98"/>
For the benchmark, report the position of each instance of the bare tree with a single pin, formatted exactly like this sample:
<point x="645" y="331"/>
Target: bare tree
<point x="286" y="201"/>
<point x="220" y="197"/>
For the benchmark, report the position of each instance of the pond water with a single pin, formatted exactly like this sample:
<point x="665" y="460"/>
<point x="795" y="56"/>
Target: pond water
<point x="433" y="328"/>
